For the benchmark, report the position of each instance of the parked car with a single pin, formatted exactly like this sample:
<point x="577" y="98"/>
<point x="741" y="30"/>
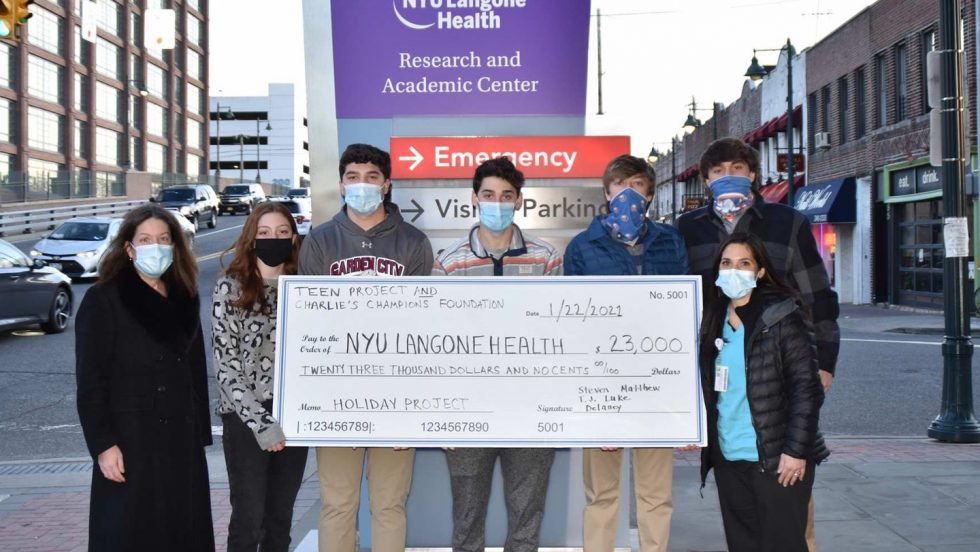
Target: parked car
<point x="197" y="202"/>
<point x="32" y="293"/>
<point x="76" y="246"/>
<point x="241" y="198"/>
<point x="298" y="192"/>
<point x="302" y="210"/>
<point x="190" y="231"/>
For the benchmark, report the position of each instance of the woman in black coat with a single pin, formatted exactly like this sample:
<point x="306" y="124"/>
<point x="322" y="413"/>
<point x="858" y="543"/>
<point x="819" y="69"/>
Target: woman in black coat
<point x="763" y="398"/>
<point x="142" y="392"/>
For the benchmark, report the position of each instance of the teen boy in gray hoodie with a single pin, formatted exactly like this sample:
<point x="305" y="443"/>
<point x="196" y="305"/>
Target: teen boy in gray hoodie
<point x="366" y="237"/>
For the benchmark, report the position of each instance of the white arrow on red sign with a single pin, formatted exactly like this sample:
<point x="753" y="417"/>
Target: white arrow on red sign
<point x="416" y="156"/>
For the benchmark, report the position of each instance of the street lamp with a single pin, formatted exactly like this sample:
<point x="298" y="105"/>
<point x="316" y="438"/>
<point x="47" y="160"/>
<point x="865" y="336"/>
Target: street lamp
<point x="220" y="113"/>
<point x="258" y="156"/>
<point x="756" y="72"/>
<point x="956" y="422"/>
<point x="693" y="122"/>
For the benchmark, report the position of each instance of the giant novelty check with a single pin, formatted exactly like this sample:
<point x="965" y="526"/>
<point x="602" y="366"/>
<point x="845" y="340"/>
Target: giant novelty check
<point x="501" y="362"/>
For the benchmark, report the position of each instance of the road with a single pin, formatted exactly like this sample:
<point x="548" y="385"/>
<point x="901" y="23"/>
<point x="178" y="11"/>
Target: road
<point x="888" y="384"/>
<point x="38" y="416"/>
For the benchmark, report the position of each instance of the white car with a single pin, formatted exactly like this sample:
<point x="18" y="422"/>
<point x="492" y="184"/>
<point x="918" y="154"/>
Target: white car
<point x="76" y="247"/>
<point x="189" y="228"/>
<point x="302" y="210"/>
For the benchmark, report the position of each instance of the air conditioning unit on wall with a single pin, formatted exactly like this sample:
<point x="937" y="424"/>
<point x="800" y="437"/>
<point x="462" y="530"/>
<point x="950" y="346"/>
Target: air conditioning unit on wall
<point x="821" y="140"/>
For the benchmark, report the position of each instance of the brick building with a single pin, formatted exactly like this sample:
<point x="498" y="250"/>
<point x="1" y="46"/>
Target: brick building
<point x="869" y="131"/>
<point x="81" y="121"/>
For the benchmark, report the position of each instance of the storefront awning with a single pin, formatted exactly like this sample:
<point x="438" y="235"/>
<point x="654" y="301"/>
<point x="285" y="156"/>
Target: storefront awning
<point x="688" y="173"/>
<point x="831" y="201"/>
<point x="776" y="193"/>
<point x="774" y="126"/>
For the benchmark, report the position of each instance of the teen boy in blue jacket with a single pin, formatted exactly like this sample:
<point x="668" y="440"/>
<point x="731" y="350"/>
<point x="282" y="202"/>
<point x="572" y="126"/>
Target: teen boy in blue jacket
<point x="625" y="242"/>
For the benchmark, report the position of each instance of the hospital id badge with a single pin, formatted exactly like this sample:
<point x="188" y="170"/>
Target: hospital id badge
<point x="721" y="378"/>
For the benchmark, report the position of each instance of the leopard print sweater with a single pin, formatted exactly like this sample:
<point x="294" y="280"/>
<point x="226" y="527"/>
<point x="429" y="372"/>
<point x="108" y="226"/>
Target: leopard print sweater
<point x="244" y="344"/>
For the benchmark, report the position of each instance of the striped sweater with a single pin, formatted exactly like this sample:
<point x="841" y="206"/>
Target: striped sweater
<point x="527" y="256"/>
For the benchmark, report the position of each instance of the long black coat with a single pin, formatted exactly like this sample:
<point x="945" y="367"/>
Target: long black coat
<point x="142" y="385"/>
<point x="782" y="385"/>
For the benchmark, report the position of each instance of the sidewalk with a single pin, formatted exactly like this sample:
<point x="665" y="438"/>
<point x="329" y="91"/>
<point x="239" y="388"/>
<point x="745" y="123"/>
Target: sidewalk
<point x="873" y="494"/>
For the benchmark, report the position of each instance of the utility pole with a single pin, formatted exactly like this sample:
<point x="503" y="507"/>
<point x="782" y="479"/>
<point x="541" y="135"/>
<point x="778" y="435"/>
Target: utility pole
<point x="598" y="34"/>
<point x="790" y="168"/>
<point x="955" y="423"/>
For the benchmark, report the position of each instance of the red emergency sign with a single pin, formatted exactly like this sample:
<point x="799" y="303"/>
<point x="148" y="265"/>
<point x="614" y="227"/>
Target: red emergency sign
<point x="454" y="157"/>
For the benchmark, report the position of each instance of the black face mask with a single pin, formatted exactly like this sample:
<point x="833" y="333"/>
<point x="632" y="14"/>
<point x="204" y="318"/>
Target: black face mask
<point x="274" y="251"/>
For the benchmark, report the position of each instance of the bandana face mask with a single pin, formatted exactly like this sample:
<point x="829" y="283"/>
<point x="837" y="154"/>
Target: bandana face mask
<point x="627" y="215"/>
<point x="732" y="196"/>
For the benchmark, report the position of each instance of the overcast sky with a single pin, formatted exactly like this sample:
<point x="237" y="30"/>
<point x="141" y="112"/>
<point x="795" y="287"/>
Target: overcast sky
<point x="656" y="53"/>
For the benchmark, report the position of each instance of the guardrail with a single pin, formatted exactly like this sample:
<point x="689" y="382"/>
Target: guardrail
<point x="37" y="220"/>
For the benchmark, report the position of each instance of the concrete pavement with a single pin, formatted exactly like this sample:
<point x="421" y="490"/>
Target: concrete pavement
<point x="874" y="494"/>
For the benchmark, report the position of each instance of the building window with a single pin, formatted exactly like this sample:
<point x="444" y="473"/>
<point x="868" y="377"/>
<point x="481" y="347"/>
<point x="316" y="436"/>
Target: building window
<point x="860" y="104"/>
<point x="193" y="64"/>
<point x="156" y="81"/>
<point x="135" y="30"/>
<point x="47" y="30"/>
<point x="928" y="45"/>
<point x="7" y="64"/>
<point x="156" y="158"/>
<point x="156" y="119"/>
<point x="109" y="15"/>
<point x="843" y="108"/>
<point x="108" y="146"/>
<point x="135" y="107"/>
<point x="193" y="165"/>
<point x="45" y="180"/>
<point x="178" y="129"/>
<point x="178" y="91"/>
<point x="195" y="135"/>
<point x="196" y="4"/>
<point x="44" y="79"/>
<point x="81" y="100"/>
<point x="825" y="109"/>
<point x="194" y="100"/>
<point x="81" y="139"/>
<point x="107" y="102"/>
<point x="811" y="106"/>
<point x="901" y="82"/>
<point x="881" y="93"/>
<point x="135" y="153"/>
<point x="136" y="70"/>
<point x="44" y="130"/>
<point x="6" y="118"/>
<point x="108" y="59"/>
<point x="193" y="34"/>
<point x="82" y="47"/>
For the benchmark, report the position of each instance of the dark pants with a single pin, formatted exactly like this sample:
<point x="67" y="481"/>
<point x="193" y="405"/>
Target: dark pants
<point x="759" y="514"/>
<point x="263" y="489"/>
<point x="525" y="472"/>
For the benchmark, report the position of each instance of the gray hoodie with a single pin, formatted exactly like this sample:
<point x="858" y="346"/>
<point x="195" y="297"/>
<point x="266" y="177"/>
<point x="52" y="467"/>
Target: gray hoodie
<point x="341" y="248"/>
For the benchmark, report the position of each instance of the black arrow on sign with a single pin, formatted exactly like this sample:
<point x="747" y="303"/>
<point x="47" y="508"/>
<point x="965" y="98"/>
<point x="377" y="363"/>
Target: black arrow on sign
<point x="418" y="210"/>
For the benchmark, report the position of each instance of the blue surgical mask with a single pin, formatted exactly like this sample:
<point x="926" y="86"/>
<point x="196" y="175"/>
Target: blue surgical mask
<point x="362" y="197"/>
<point x="496" y="217"/>
<point x="154" y="259"/>
<point x="627" y="215"/>
<point x="736" y="283"/>
<point x="732" y="195"/>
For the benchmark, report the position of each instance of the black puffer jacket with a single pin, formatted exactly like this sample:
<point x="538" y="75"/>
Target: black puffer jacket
<point x="784" y="390"/>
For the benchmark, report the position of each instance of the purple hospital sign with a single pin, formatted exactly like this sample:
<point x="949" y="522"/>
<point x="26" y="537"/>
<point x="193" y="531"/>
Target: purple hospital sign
<point x="460" y="57"/>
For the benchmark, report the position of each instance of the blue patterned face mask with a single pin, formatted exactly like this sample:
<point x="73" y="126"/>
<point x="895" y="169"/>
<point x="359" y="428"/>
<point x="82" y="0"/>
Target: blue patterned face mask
<point x="627" y="215"/>
<point x="732" y="196"/>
